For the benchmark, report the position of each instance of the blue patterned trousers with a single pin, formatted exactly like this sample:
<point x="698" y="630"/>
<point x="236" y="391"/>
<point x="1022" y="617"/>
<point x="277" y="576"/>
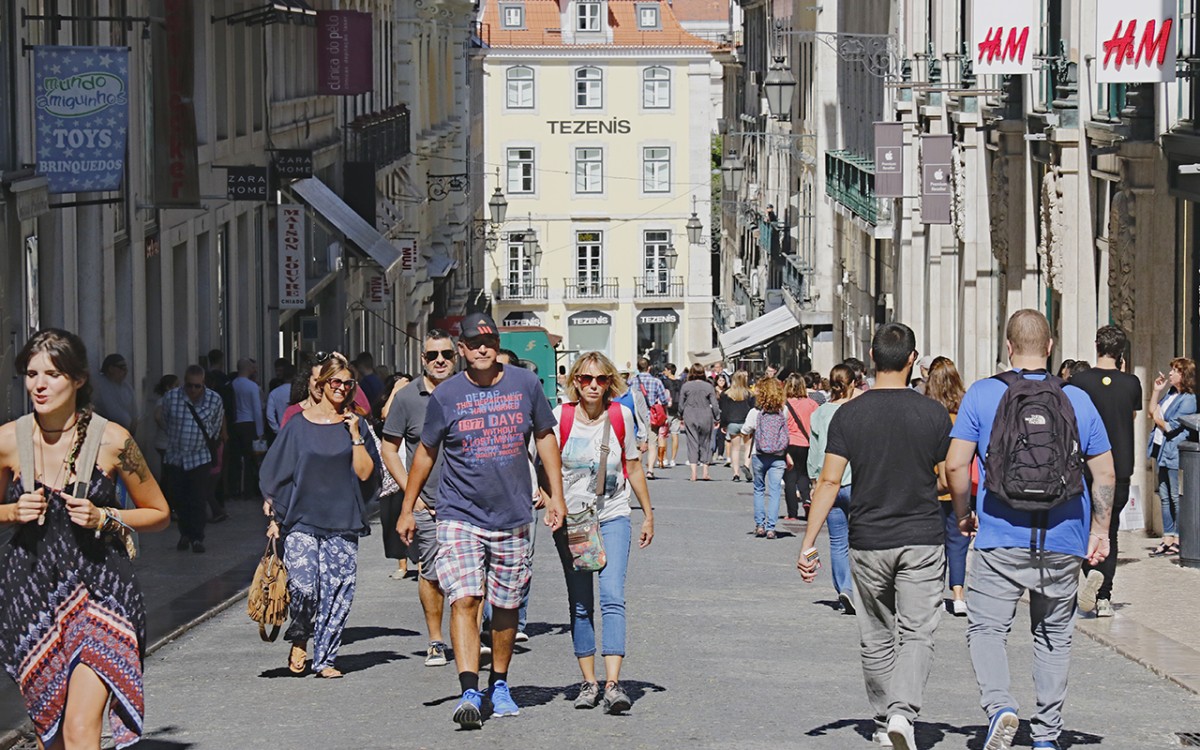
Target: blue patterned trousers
<point x="322" y="575"/>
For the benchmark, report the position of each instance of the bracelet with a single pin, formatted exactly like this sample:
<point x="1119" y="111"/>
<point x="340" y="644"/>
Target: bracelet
<point x="102" y="521"/>
<point x="1100" y="536"/>
<point x="360" y="441"/>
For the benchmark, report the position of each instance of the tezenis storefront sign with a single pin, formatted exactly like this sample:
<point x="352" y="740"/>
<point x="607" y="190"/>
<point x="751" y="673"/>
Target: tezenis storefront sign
<point x="589" y="127"/>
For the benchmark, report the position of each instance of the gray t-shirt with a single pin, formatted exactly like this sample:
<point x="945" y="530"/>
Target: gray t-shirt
<point x="405" y="420"/>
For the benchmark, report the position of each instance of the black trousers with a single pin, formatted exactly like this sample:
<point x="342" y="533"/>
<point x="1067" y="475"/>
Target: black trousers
<point x="192" y="492"/>
<point x="795" y="480"/>
<point x="394" y="547"/>
<point x="240" y="461"/>
<point x="1108" y="568"/>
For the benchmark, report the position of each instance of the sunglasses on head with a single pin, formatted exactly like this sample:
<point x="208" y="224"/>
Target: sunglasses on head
<point x="338" y="384"/>
<point x="586" y="380"/>
<point x="446" y="354"/>
<point x="321" y="357"/>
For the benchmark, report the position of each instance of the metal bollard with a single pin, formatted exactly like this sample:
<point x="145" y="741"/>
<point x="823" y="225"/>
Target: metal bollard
<point x="1189" y="496"/>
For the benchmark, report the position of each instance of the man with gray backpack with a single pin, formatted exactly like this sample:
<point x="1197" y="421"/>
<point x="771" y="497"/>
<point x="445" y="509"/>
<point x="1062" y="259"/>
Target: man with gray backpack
<point x="1034" y="519"/>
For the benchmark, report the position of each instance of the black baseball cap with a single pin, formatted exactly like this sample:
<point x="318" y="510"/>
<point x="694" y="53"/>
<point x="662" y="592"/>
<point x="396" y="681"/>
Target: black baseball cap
<point x="478" y="324"/>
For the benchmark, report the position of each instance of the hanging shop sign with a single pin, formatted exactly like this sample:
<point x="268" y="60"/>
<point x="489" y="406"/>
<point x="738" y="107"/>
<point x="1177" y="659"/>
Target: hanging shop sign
<point x="377" y="293"/>
<point x="590" y="318"/>
<point x="520" y="318"/>
<point x="293" y="164"/>
<point x="1004" y="37"/>
<point x="291" y="257"/>
<point x="81" y="100"/>
<point x="246" y="183"/>
<point x="657" y="316"/>
<point x="344" y="57"/>
<point x="889" y="160"/>
<point x="408" y="256"/>
<point x="936" y="198"/>
<point x="1136" y="42"/>
<point x="176" y="177"/>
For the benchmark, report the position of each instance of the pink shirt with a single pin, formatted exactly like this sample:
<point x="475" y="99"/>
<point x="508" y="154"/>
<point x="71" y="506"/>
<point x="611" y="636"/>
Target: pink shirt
<point x="804" y="408"/>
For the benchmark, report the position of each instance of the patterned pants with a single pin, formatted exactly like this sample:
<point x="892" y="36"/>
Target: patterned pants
<point x="322" y="574"/>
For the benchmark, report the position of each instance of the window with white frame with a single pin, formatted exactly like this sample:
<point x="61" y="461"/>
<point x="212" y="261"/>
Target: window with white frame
<point x="587" y="16"/>
<point x="512" y="16"/>
<point x="520" y="170"/>
<point x="589" y="170"/>
<point x="656" y="169"/>
<point x="520" y="281"/>
<point x="656" y="88"/>
<point x="589" y="88"/>
<point x="519" y="81"/>
<point x="647" y="14"/>
<point x="656" y="265"/>
<point x="589" y="263"/>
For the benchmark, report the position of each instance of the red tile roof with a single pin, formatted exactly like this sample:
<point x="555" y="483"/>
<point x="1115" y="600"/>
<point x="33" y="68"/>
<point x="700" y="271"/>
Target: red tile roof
<point x="543" y="27"/>
<point x="700" y="10"/>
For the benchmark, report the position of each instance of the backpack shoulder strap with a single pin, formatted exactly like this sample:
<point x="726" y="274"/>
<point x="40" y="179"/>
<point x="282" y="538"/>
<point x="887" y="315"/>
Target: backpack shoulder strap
<point x="1008" y="377"/>
<point x="25" y="463"/>
<point x="88" y="452"/>
<point x="617" y="417"/>
<point x="564" y="424"/>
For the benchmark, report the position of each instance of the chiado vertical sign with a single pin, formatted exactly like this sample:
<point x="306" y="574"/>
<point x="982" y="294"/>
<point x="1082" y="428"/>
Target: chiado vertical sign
<point x="81" y="98"/>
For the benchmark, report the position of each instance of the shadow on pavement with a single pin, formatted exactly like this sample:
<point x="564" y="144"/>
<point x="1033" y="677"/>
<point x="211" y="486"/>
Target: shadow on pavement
<point x="354" y="635"/>
<point x="929" y="734"/>
<point x="545" y="628"/>
<point x="361" y="662"/>
<point x="159" y="741"/>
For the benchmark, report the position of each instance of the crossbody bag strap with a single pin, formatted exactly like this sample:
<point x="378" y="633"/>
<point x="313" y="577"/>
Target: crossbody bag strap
<point x="602" y="468"/>
<point x="25" y="462"/>
<point x="199" y="421"/>
<point x="796" y="417"/>
<point x="85" y="463"/>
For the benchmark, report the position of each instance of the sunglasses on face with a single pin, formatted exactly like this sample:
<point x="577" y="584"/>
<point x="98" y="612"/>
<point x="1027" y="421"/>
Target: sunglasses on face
<point x="446" y="354"/>
<point x="586" y="380"/>
<point x="337" y="384"/>
<point x="489" y="342"/>
<point x="193" y="386"/>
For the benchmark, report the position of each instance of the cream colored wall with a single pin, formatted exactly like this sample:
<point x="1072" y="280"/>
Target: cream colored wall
<point x="622" y="211"/>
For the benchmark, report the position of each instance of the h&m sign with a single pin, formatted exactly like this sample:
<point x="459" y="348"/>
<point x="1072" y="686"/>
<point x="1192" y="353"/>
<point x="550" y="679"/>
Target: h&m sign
<point x="1000" y="34"/>
<point x="1136" y="42"/>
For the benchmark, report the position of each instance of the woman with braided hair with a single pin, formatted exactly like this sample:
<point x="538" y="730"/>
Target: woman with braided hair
<point x="72" y="619"/>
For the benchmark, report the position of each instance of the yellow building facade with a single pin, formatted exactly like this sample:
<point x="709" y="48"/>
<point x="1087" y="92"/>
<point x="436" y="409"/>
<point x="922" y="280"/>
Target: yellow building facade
<point x="597" y="125"/>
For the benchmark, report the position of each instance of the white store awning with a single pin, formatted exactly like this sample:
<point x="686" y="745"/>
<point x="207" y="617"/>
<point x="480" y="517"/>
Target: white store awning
<point x="758" y="331"/>
<point x="343" y="218"/>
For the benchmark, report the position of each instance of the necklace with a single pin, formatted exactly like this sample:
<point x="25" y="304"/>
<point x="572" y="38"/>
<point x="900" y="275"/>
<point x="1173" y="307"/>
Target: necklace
<point x="71" y="426"/>
<point x="63" y="469"/>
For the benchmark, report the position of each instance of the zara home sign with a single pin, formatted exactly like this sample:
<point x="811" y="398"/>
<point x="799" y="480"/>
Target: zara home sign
<point x="1136" y="41"/>
<point x="1004" y="36"/>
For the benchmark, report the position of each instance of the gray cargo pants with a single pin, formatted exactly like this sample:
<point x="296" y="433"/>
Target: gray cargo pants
<point x="995" y="584"/>
<point x="898" y="595"/>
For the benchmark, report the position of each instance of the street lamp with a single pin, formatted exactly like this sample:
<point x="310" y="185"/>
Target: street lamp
<point x="498" y="207"/>
<point x="779" y="87"/>
<point x="731" y="173"/>
<point x="672" y="257"/>
<point x="694" y="226"/>
<point x="532" y="248"/>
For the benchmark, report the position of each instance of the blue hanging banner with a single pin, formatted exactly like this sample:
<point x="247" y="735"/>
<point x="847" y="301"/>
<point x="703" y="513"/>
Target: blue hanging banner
<point x="81" y="99"/>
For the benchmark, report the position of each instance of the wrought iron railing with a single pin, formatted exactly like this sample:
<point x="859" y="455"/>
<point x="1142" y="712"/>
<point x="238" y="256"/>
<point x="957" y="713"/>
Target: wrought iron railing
<point x="591" y="287"/>
<point x="850" y="180"/>
<point x="524" y="289"/>
<point x="381" y="137"/>
<point x="653" y="285"/>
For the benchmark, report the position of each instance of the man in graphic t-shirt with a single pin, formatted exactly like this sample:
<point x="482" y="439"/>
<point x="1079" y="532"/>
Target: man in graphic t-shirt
<point x="1117" y="396"/>
<point x="480" y="421"/>
<point x="897" y="534"/>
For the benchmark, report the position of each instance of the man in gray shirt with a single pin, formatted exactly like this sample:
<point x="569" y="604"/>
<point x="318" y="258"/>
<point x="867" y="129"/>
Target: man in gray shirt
<point x="405" y="420"/>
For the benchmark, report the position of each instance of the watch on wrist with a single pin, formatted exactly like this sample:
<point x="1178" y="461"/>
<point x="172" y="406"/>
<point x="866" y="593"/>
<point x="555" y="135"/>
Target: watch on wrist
<point x="358" y="441"/>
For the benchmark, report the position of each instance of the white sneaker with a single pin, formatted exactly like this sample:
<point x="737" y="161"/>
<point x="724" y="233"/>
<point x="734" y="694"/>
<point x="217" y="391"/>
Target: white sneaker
<point x="521" y="637"/>
<point x="1086" y="598"/>
<point x="671" y="464"/>
<point x="959" y="607"/>
<point x="1104" y="608"/>
<point x="485" y="650"/>
<point x="882" y="738"/>
<point x="900" y="732"/>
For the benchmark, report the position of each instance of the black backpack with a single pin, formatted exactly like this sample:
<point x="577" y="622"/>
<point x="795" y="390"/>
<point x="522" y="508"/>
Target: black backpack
<point x="1033" y="460"/>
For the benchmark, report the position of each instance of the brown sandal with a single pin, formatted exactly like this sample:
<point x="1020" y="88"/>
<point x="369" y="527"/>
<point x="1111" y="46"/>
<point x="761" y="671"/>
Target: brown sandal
<point x="297" y="659"/>
<point x="330" y="673"/>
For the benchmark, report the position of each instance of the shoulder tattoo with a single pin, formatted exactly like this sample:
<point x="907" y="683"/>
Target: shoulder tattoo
<point x="132" y="460"/>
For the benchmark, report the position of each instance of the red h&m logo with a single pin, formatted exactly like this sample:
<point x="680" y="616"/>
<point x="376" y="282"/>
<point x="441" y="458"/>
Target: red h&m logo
<point x="994" y="47"/>
<point x="1152" y="50"/>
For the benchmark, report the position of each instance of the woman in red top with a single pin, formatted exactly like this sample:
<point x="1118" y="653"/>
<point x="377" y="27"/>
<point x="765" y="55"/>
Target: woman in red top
<point x="799" y="418"/>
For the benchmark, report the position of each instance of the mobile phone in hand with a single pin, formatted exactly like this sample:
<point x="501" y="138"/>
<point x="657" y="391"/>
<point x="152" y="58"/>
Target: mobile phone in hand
<point x="812" y="557"/>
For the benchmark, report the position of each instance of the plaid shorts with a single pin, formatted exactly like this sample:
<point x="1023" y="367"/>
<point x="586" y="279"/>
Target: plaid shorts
<point x="467" y="554"/>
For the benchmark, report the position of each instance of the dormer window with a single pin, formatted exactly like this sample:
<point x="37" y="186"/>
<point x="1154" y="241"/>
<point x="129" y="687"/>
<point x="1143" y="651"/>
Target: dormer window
<point x="512" y="16"/>
<point x="647" y="14"/>
<point x="587" y="16"/>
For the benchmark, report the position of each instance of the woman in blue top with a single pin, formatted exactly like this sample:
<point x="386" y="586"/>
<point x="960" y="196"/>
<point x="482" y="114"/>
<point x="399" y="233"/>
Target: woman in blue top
<point x="1179" y="401"/>
<point x="317" y="478"/>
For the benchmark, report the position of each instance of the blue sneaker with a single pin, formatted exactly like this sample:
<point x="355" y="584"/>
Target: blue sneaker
<point x="1001" y="730"/>
<point x="468" y="713"/>
<point x="502" y="701"/>
<point x="1046" y="745"/>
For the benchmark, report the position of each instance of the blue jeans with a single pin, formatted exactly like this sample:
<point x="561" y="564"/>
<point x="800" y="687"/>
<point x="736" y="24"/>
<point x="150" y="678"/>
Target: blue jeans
<point x="768" y="488"/>
<point x="956" y="547"/>
<point x="1168" y="495"/>
<point x="839" y="542"/>
<point x="617" y="534"/>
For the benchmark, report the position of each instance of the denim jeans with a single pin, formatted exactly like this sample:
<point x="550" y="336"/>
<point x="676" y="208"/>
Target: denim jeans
<point x="1168" y="495"/>
<point x="956" y="547"/>
<point x="839" y="542"/>
<point x="617" y="534"/>
<point x="768" y="488"/>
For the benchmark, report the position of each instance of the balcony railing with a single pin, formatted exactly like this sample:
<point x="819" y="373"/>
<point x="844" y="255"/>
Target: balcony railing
<point x="652" y="285"/>
<point x="850" y="180"/>
<point x="379" y="138"/>
<point x="795" y="278"/>
<point x="591" y="288"/>
<point x="524" y="290"/>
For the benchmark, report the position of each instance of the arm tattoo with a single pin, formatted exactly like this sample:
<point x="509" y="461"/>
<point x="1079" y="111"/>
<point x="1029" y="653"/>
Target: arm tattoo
<point x="132" y="460"/>
<point x="1102" y="501"/>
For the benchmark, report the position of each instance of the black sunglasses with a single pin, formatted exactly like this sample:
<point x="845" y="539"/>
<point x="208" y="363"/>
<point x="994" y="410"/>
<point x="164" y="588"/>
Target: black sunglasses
<point x="193" y="386"/>
<point x="338" y="383"/>
<point x="446" y="354"/>
<point x="586" y="380"/>
<point x="321" y="357"/>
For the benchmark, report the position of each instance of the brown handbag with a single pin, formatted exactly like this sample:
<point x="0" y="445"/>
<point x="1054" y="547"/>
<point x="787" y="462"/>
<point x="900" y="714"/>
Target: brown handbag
<point x="267" y="603"/>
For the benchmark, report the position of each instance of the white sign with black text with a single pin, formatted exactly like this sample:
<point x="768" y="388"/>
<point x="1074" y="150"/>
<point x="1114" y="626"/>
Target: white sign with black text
<point x="292" y="294"/>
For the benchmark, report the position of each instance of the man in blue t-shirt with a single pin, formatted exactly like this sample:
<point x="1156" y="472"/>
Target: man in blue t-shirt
<point x="481" y="420"/>
<point x="1015" y="553"/>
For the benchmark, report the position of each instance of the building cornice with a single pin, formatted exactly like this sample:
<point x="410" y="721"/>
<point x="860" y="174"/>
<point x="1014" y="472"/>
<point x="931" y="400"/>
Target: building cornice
<point x="593" y="53"/>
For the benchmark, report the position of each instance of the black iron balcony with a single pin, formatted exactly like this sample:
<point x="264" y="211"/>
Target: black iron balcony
<point x="656" y="286"/>
<point x="591" y="287"/>
<point x="524" y="290"/>
<point x="850" y="180"/>
<point x="379" y="138"/>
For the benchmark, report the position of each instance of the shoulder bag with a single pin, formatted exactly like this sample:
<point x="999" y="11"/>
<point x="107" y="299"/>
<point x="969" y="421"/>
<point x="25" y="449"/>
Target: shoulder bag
<point x="583" y="528"/>
<point x="267" y="602"/>
<point x="213" y="443"/>
<point x="795" y="416"/>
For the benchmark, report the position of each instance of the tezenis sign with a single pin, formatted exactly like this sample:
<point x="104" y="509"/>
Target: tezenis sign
<point x="589" y="127"/>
